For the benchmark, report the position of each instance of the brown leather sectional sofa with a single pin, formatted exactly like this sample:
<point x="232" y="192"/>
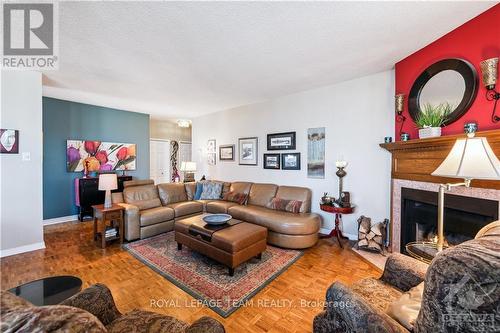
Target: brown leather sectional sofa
<point x="153" y="209"/>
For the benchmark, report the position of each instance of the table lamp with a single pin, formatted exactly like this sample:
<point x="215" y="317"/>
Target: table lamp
<point x="470" y="158"/>
<point x="107" y="182"/>
<point x="188" y="168"/>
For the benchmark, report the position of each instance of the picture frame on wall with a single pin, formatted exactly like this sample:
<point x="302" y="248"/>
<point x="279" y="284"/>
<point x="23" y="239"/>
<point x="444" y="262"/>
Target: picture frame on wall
<point x="226" y="152"/>
<point x="9" y="141"/>
<point x="211" y="146"/>
<point x="211" y="158"/>
<point x="272" y="161"/>
<point x="290" y="161"/>
<point x="248" y="151"/>
<point x="281" y="141"/>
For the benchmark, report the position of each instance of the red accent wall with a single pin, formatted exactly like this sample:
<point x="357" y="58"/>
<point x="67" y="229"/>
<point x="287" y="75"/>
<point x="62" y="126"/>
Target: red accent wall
<point x="476" y="40"/>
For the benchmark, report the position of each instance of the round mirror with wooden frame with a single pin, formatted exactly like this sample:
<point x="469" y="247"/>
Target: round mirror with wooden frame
<point x="452" y="81"/>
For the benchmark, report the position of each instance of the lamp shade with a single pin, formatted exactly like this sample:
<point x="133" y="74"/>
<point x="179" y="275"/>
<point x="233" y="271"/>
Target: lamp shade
<point x="188" y="166"/>
<point x="107" y="181"/>
<point x="470" y="158"/>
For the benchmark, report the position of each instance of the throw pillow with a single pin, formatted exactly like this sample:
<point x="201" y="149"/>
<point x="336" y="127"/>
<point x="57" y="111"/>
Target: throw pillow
<point x="405" y="310"/>
<point x="292" y="206"/>
<point x="239" y="198"/>
<point x="211" y="191"/>
<point x="197" y="193"/>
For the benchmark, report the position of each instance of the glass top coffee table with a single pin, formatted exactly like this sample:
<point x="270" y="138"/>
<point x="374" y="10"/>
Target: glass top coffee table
<point x="48" y="291"/>
<point x="423" y="251"/>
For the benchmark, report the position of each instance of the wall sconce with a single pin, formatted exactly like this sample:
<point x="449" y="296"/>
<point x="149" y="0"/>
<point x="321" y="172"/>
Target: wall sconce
<point x="489" y="69"/>
<point x="399" y="106"/>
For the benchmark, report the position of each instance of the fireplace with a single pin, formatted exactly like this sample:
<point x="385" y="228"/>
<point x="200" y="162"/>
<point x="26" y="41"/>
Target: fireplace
<point x="464" y="216"/>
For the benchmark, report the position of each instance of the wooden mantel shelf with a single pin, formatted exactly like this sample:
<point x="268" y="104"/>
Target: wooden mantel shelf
<point x="417" y="159"/>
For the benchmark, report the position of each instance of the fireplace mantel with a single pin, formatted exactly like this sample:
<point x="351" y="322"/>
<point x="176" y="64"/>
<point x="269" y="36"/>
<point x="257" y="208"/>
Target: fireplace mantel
<point x="417" y="159"/>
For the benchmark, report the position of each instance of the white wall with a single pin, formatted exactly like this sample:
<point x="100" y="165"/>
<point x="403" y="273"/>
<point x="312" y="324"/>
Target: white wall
<point x="357" y="114"/>
<point x="21" y="180"/>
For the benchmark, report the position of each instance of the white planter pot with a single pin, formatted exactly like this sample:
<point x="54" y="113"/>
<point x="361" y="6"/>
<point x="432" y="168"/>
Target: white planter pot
<point x="429" y="132"/>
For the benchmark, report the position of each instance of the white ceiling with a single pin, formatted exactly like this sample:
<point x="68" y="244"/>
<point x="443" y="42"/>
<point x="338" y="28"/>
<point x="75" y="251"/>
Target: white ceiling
<point x="185" y="59"/>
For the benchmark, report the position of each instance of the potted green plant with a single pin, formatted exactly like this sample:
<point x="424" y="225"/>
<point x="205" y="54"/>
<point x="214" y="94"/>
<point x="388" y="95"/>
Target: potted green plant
<point x="431" y="119"/>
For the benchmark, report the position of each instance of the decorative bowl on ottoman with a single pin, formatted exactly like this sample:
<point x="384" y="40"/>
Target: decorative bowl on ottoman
<point x="216" y="219"/>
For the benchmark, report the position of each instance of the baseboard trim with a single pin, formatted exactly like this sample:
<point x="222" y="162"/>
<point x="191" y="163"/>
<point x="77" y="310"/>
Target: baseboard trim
<point x="326" y="231"/>
<point x="61" y="219"/>
<point x="22" y="249"/>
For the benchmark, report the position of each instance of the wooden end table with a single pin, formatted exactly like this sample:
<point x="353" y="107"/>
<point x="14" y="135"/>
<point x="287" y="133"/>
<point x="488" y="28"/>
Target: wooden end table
<point x="338" y="211"/>
<point x="113" y="215"/>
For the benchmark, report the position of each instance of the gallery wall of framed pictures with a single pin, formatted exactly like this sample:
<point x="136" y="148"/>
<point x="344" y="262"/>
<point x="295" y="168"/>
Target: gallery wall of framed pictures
<point x="248" y="152"/>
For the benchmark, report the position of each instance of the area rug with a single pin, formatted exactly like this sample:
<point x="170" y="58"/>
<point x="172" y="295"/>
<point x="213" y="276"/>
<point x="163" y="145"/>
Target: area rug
<point x="207" y="280"/>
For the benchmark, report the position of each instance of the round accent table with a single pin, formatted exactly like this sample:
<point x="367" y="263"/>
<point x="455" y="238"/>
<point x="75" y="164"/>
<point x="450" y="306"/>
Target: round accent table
<point x="423" y="251"/>
<point x="49" y="291"/>
<point x="338" y="211"/>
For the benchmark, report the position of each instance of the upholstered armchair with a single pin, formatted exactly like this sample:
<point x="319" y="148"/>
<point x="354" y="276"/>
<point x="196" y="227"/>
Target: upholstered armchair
<point x="461" y="292"/>
<point x="92" y="310"/>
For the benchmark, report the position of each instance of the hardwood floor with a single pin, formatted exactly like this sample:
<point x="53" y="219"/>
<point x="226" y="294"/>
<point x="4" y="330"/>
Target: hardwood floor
<point x="279" y="307"/>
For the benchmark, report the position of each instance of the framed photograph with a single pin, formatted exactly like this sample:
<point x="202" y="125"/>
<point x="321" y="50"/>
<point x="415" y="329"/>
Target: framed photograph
<point x="281" y="141"/>
<point x="211" y="146"/>
<point x="290" y="161"/>
<point x="248" y="154"/>
<point x="9" y="141"/>
<point x="226" y="153"/>
<point x="272" y="161"/>
<point x="211" y="159"/>
<point x="316" y="152"/>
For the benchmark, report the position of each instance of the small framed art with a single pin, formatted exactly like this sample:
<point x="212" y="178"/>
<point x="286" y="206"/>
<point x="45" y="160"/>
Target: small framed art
<point x="247" y="149"/>
<point x="272" y="161"/>
<point x="226" y="152"/>
<point x="290" y="161"/>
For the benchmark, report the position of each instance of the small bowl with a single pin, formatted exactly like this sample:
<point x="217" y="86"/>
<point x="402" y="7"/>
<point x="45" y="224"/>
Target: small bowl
<point x="217" y="219"/>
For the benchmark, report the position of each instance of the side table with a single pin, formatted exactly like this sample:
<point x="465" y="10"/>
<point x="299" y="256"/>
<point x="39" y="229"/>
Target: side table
<point x="338" y="211"/>
<point x="50" y="290"/>
<point x="113" y="215"/>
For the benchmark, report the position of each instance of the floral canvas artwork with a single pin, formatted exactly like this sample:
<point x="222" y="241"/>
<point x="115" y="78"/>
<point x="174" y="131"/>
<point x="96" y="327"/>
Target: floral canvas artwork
<point x="99" y="156"/>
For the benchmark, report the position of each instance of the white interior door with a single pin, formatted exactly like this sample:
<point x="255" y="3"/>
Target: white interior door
<point x="159" y="162"/>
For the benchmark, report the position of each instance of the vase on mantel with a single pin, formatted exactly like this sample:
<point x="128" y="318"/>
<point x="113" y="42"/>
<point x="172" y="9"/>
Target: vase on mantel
<point x="429" y="132"/>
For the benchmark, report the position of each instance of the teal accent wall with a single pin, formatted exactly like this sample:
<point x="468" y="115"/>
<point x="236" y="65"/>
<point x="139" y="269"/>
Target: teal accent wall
<point x="63" y="120"/>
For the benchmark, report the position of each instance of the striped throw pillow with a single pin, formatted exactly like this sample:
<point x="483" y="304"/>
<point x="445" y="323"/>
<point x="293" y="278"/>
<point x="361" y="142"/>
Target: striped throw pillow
<point x="292" y="206"/>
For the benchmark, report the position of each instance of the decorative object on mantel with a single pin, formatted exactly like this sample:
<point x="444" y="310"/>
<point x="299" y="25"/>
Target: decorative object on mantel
<point x="189" y="168"/>
<point x="372" y="237"/>
<point x="470" y="128"/>
<point x="450" y="80"/>
<point x="107" y="182"/>
<point x="388" y="139"/>
<point x="338" y="211"/>
<point x="470" y="158"/>
<point x="399" y="106"/>
<point x="405" y="136"/>
<point x="430" y="120"/>
<point x="175" y="178"/>
<point x="489" y="69"/>
<point x="416" y="159"/>
<point x="9" y="141"/>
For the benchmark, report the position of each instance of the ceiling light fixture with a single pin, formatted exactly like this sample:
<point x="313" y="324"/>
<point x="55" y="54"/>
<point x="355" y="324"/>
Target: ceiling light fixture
<point x="183" y="123"/>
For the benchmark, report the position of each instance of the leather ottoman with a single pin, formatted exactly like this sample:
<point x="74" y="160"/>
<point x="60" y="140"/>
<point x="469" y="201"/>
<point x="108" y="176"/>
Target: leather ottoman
<point x="230" y="246"/>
